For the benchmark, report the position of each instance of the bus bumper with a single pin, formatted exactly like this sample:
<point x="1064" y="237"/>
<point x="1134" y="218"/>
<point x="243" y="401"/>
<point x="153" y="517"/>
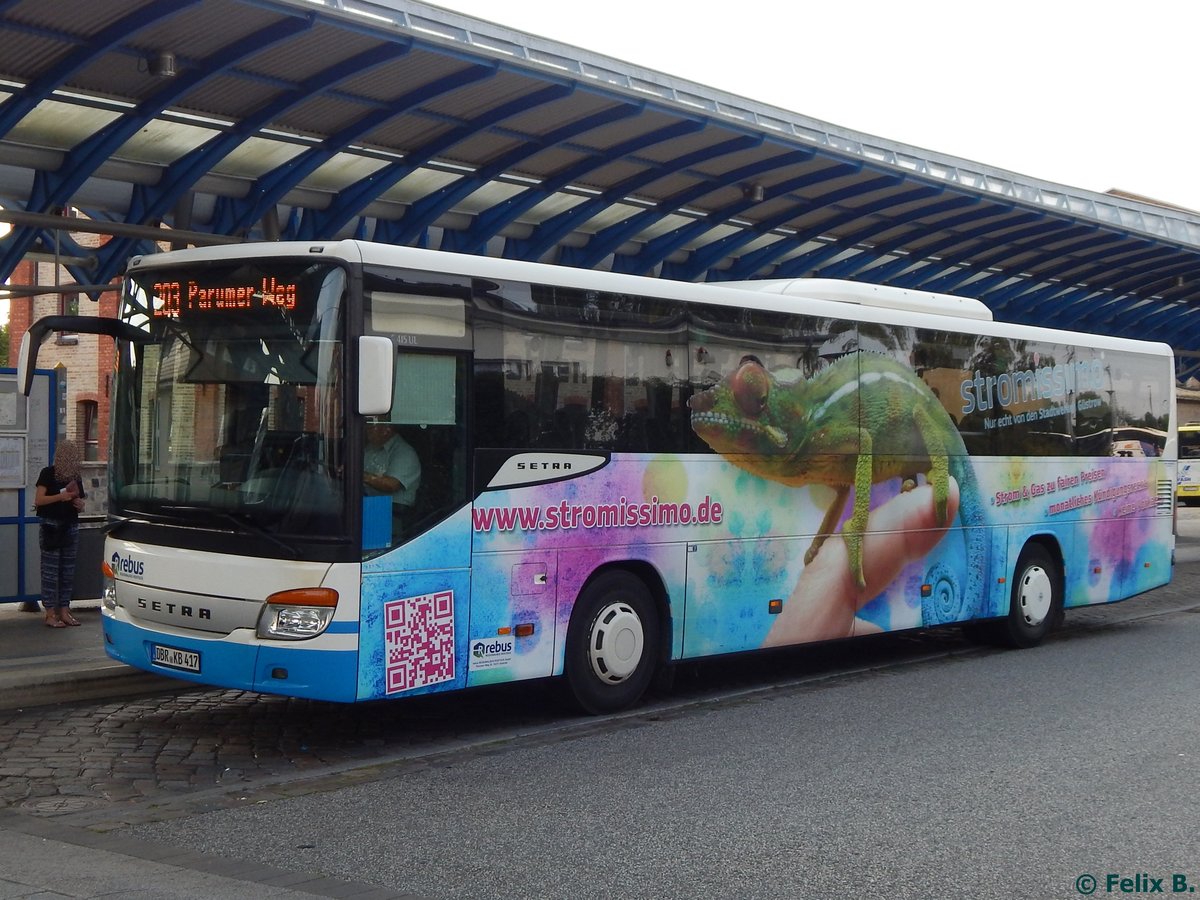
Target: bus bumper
<point x="275" y="668"/>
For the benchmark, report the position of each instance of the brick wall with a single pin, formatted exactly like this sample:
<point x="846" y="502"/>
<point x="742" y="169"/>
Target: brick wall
<point x="87" y="358"/>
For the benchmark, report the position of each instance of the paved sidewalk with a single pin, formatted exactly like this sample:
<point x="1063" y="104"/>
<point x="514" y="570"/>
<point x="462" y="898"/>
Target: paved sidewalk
<point x="40" y="666"/>
<point x="42" y="856"/>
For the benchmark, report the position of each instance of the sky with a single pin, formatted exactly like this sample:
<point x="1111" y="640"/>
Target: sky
<point x="1083" y="94"/>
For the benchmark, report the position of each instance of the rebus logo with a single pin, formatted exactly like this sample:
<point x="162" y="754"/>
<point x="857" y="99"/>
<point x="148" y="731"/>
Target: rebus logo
<point x="482" y="649"/>
<point x="125" y="565"/>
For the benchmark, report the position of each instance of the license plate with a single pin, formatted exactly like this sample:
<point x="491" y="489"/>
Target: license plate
<point x="174" y="658"/>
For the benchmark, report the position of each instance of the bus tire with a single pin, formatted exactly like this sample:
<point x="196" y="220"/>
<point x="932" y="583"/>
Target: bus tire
<point x="612" y="643"/>
<point x="1036" y="603"/>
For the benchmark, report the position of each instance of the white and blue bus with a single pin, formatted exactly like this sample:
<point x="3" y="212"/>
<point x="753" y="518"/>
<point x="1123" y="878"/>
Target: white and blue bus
<point x="607" y="474"/>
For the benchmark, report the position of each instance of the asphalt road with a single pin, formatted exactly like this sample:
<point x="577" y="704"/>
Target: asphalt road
<point x="898" y="770"/>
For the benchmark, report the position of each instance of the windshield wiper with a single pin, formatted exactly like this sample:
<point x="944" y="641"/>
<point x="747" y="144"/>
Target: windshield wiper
<point x="244" y="523"/>
<point x="114" y="522"/>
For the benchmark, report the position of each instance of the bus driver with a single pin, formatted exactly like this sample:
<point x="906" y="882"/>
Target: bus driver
<point x="391" y="466"/>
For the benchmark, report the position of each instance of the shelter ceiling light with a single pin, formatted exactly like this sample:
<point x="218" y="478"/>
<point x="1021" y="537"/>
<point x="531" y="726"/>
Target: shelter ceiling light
<point x="753" y="192"/>
<point x="161" y="65"/>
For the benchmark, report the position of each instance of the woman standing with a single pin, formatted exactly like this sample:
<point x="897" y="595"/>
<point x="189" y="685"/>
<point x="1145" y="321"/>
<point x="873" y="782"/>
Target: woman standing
<point x="58" y="501"/>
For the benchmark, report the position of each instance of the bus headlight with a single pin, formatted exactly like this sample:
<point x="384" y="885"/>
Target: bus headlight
<point x="297" y="614"/>
<point x="109" y="597"/>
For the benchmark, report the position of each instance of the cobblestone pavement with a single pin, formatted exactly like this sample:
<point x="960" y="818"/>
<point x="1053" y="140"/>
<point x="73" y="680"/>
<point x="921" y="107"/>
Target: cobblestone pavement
<point x="102" y="765"/>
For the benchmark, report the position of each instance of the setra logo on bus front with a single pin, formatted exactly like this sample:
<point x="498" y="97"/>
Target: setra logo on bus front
<point x="125" y="565"/>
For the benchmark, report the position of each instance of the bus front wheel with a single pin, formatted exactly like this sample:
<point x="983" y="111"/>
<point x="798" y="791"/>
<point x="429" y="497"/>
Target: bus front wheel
<point x="612" y="643"/>
<point x="1036" y="603"/>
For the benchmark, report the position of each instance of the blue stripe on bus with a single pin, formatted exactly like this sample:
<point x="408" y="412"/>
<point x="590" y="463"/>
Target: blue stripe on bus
<point x="277" y="669"/>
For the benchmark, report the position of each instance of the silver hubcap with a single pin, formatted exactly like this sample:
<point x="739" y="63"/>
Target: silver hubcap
<point x="1033" y="600"/>
<point x="616" y="643"/>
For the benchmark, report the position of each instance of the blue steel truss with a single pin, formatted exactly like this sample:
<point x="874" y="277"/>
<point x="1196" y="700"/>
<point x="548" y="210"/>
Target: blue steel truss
<point x="399" y="122"/>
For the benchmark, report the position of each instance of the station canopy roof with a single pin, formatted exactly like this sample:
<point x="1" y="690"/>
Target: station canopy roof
<point x="405" y="123"/>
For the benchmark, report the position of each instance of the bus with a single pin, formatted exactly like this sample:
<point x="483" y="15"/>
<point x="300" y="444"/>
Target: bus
<point x="352" y="472"/>
<point x="1188" y="486"/>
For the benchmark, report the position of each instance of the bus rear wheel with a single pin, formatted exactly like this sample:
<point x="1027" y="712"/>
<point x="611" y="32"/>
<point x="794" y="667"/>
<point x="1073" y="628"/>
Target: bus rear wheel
<point x="1036" y="603"/>
<point x="612" y="643"/>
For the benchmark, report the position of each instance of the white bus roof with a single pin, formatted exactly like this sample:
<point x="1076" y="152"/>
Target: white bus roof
<point x="875" y="295"/>
<point x="810" y="296"/>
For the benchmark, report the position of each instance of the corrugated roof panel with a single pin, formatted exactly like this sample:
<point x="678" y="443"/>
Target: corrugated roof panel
<point x="60" y="126"/>
<point x="418" y="184"/>
<point x="161" y="143"/>
<point x="607" y="215"/>
<point x="549" y="161"/>
<point x="255" y="157"/>
<point x="480" y="97"/>
<point x="309" y="53"/>
<point x="488" y="196"/>
<point x="341" y="172"/>
<point x="26" y="57"/>
<point x="487" y="146"/>
<point x="402" y="75"/>
<point x="228" y="97"/>
<point x="553" y="205"/>
<point x="555" y="114"/>
<point x="406" y="134"/>
<point x="200" y="31"/>
<point x="333" y="112"/>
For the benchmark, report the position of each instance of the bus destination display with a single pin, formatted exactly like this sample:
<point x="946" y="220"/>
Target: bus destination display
<point x="175" y="298"/>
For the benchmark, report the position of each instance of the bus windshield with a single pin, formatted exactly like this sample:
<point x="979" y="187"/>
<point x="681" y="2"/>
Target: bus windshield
<point x="229" y="416"/>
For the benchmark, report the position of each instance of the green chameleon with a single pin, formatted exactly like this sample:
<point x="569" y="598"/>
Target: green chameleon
<point x="863" y="419"/>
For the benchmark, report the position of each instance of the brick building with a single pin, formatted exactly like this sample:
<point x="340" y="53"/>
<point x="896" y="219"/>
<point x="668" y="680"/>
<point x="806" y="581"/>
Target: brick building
<point x="87" y="358"/>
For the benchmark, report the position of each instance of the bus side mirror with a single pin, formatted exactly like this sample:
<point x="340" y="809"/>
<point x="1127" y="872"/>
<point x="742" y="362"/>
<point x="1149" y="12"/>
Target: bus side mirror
<point x="39" y="330"/>
<point x="376" y="359"/>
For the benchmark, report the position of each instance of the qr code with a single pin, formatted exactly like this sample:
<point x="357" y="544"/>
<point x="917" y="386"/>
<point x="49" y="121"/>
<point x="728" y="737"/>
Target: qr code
<point x="419" y="641"/>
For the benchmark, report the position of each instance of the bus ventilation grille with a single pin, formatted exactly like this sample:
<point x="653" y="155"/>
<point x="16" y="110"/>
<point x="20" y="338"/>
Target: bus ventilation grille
<point x="1166" y="495"/>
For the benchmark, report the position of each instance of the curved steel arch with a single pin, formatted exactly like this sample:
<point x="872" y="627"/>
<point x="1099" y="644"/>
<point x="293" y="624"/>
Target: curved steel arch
<point x="53" y="190"/>
<point x="273" y="185"/>
<point x="607" y="240"/>
<point x="704" y="258"/>
<point x="989" y="218"/>
<point x="183" y="174"/>
<point x="1028" y="268"/>
<point x="428" y="209"/>
<point x="847" y="268"/>
<point x="1144" y="277"/>
<point x="77" y="59"/>
<point x="546" y="235"/>
<point x="654" y="252"/>
<point x="942" y="274"/>
<point x="503" y="214"/>
<point x="1031" y="249"/>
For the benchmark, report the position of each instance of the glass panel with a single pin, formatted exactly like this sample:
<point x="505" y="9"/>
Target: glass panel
<point x="89" y="429"/>
<point x="415" y="459"/>
<point x="1037" y="398"/>
<point x="232" y="414"/>
<point x="747" y="367"/>
<point x="415" y="463"/>
<point x="569" y="369"/>
<point x="425" y="390"/>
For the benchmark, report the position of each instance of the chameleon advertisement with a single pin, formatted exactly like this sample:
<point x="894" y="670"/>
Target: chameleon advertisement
<point x="822" y="480"/>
